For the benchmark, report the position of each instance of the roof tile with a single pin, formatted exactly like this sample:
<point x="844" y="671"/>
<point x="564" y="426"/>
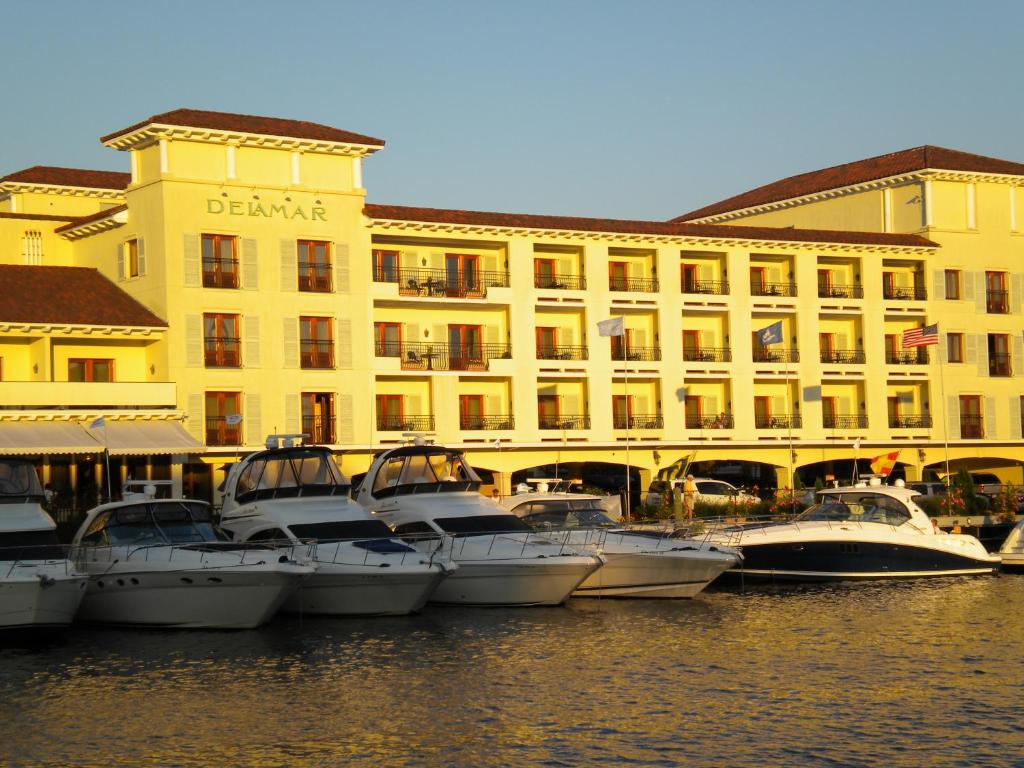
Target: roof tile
<point x="70" y="177"/>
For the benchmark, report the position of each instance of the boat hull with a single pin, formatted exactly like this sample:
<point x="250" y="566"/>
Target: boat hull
<point x="654" y="574"/>
<point x="340" y="590"/>
<point x="28" y="601"/>
<point x="525" y="582"/>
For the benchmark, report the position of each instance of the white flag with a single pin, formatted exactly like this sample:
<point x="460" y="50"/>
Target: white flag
<point x="856" y="444"/>
<point x="232" y="419"/>
<point x="100" y="422"/>
<point x="611" y="327"/>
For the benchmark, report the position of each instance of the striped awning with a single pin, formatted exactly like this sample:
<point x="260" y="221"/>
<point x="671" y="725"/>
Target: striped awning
<point x="145" y="438"/>
<point x="28" y="438"/>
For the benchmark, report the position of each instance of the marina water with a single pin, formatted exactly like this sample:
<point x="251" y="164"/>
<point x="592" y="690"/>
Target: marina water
<point x="895" y="674"/>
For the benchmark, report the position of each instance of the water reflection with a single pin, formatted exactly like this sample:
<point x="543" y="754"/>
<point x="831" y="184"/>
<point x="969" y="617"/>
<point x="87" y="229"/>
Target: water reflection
<point x="898" y="674"/>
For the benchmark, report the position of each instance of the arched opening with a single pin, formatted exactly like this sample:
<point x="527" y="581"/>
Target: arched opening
<point x="596" y="476"/>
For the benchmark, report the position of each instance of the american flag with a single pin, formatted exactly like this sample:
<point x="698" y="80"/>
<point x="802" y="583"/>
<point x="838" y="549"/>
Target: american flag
<point x="921" y="337"/>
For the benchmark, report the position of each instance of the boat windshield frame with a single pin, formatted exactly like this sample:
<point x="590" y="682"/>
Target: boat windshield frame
<point x="481" y="525"/>
<point x="434" y="470"/>
<point x="564" y="514"/>
<point x="854" y="507"/>
<point x="286" y="479"/>
<point x="156" y="522"/>
<point x="19" y="482"/>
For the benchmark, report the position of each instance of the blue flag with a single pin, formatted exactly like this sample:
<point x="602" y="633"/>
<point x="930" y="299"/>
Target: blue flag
<point x="771" y="334"/>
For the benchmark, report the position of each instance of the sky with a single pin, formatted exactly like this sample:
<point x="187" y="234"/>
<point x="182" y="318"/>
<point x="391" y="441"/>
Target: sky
<point x="633" y="110"/>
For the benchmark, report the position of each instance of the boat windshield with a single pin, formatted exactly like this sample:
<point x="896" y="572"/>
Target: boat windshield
<point x="293" y="472"/>
<point x="341" y="530"/>
<point x="858" y="507"/>
<point x="30" y="545"/>
<point x="474" y="525"/>
<point x="177" y="522"/>
<point x="564" y="513"/>
<point x="18" y="481"/>
<point x="433" y="472"/>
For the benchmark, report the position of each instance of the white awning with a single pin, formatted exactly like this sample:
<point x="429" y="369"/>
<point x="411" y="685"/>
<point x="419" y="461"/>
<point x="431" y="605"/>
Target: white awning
<point x="142" y="438"/>
<point x="21" y="438"/>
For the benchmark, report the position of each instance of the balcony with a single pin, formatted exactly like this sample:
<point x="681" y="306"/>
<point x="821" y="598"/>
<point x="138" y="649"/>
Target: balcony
<point x="318" y="429"/>
<point x="917" y="356"/>
<point x="560" y="352"/>
<point x="637" y="284"/>
<point x="424" y="356"/>
<point x="721" y="421"/>
<point x="648" y="354"/>
<point x="773" y="289"/>
<point x="404" y="423"/>
<point x="910" y="421"/>
<point x="222" y="352"/>
<point x="439" y="283"/>
<point x="707" y="354"/>
<point x="220" y="273"/>
<point x="316" y="354"/>
<point x="844" y="421"/>
<point x="917" y="293"/>
<point x="564" y="422"/>
<point x="219" y="432"/>
<point x="716" y="287"/>
<point x="778" y="421"/>
<point x="315" y="277"/>
<point x="492" y="422"/>
<point x="997" y="302"/>
<point x="843" y="356"/>
<point x="560" y="282"/>
<point x="782" y="355"/>
<point x="971" y="427"/>
<point x="840" y="292"/>
<point x="638" y="421"/>
<point x="999" y="364"/>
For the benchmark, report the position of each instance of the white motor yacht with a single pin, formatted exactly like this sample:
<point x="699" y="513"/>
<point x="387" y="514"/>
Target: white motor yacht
<point x="429" y="495"/>
<point x="856" y="532"/>
<point x="1011" y="553"/>
<point x="162" y="563"/>
<point x="637" y="564"/>
<point x="288" y="495"/>
<point x="39" y="586"/>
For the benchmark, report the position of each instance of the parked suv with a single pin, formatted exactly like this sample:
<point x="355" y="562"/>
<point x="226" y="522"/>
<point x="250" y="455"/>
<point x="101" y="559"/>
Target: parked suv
<point x="717" y="492"/>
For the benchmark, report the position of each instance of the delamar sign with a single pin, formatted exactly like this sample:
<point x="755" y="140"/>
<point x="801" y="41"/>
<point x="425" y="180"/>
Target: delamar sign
<point x="267" y="210"/>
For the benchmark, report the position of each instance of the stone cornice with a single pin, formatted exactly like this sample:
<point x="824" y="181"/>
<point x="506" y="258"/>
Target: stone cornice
<point x="153" y="132"/>
<point x="11" y="187"/>
<point x="116" y="218"/>
<point x="68" y="329"/>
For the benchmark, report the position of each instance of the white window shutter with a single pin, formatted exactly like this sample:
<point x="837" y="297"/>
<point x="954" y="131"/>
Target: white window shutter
<point x="953" y="416"/>
<point x="289" y="266"/>
<point x="343" y="344"/>
<point x="346" y="430"/>
<point x="193" y="272"/>
<point x="252" y="341"/>
<point x="980" y="292"/>
<point x="253" y="419"/>
<point x="942" y="350"/>
<point x="968" y="281"/>
<point x="193" y="341"/>
<point x="990" y="417"/>
<point x="490" y="334"/>
<point x="982" y="347"/>
<point x="566" y="336"/>
<point x="411" y="333"/>
<point x="196" y="422"/>
<point x="938" y="284"/>
<point x="490" y="263"/>
<point x="1017" y="361"/>
<point x="292" y="420"/>
<point x="142" y="256"/>
<point x="120" y="261"/>
<point x="341" y="268"/>
<point x="492" y="405"/>
<point x="410" y="261"/>
<point x="564" y="267"/>
<point x="250" y="264"/>
<point x="971" y="351"/>
<point x="290" y="342"/>
<point x="1016" y="287"/>
<point x="439" y="334"/>
<point x="413" y="406"/>
<point x="1015" y="430"/>
<point x="571" y="405"/>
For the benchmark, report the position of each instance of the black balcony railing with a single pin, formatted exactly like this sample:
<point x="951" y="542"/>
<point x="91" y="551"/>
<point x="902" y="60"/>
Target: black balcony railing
<point x="623" y="352"/>
<point x="638" y="421"/>
<point x="917" y="356"/>
<point x="779" y="355"/>
<point x="315" y="277"/>
<point x="638" y="284"/>
<point x="318" y="429"/>
<point x="717" y="287"/>
<point x="424" y="356"/>
<point x="845" y="421"/>
<point x="840" y="292"/>
<point x="707" y="354"/>
<point x="564" y="421"/>
<point x="219" y="432"/>
<point x="440" y="283"/>
<point x="999" y="364"/>
<point x="772" y="289"/>
<point x="561" y="352"/>
<point x="404" y="423"/>
<point x="560" y="282"/>
<point x="721" y="421"/>
<point x="316" y="354"/>
<point x="843" y="356"/>
<point x="917" y="293"/>
<point x="997" y="302"/>
<point x="778" y="421"/>
<point x="220" y="273"/>
<point x="504" y="421"/>
<point x="910" y="421"/>
<point x="222" y="352"/>
<point x="971" y="427"/>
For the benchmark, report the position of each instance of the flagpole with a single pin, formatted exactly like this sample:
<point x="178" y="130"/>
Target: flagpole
<point x="629" y="418"/>
<point x="945" y="418"/>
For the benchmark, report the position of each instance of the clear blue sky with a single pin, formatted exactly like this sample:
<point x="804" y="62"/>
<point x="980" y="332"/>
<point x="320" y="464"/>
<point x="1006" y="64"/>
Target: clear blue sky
<point x="641" y="109"/>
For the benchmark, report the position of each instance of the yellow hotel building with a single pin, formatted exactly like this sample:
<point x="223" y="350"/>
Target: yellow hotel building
<point x="260" y="292"/>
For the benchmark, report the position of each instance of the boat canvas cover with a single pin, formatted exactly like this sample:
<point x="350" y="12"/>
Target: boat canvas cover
<point x="28" y="438"/>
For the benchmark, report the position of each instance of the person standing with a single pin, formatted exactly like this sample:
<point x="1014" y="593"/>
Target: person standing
<point x="689" y="496"/>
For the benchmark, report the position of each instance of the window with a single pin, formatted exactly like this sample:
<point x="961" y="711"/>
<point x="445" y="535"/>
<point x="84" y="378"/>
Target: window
<point x="385" y="266"/>
<point x="970" y="416"/>
<point x="952" y="283"/>
<point x="471" y="411"/>
<point x="758" y="281"/>
<point x="547" y="343"/>
<point x="996" y="295"/>
<point x="691" y="345"/>
<point x="894" y="408"/>
<point x="689" y="275"/>
<point x="318" y="416"/>
<point x="220" y="341"/>
<point x="462" y="273"/>
<point x="223" y="418"/>
<point x="132" y="268"/>
<point x="220" y="265"/>
<point x="693" y="407"/>
<point x="999" y="355"/>
<point x="829" y="411"/>
<point x="824" y="282"/>
<point x="390" y="412"/>
<point x="622" y="345"/>
<point x="762" y="411"/>
<point x="387" y="339"/>
<point x="889" y="285"/>
<point x="618" y="276"/>
<point x="465" y="350"/>
<point x="544" y="273"/>
<point x="315" y="266"/>
<point x="32" y="247"/>
<point x="827" y="347"/>
<point x="316" y="343"/>
<point x="87" y="369"/>
<point x="954" y="347"/>
<point x="548" y="411"/>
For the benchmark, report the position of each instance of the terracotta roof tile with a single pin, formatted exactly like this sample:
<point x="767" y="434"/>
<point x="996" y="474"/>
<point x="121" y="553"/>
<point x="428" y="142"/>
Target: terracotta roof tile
<point x="67" y="296"/>
<point x="70" y="177"/>
<point x="858" y="172"/>
<point x="267" y="126"/>
<point x="620" y="226"/>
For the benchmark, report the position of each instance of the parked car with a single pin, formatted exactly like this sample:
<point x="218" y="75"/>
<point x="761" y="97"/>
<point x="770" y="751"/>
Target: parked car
<point x="929" y="488"/>
<point x="717" y="492"/>
<point x="986" y="483"/>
